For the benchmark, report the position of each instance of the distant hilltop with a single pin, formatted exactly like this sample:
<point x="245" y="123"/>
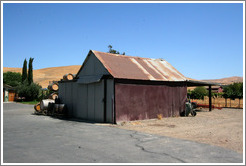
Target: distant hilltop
<point x="226" y="81"/>
<point x="45" y="75"/>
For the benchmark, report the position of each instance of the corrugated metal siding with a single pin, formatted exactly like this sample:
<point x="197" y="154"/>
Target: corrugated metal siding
<point x="85" y="101"/>
<point x="91" y="67"/>
<point x="136" y="102"/>
<point x="128" y="67"/>
<point x="110" y="96"/>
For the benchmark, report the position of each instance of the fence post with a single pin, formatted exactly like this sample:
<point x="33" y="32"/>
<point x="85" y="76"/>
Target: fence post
<point x="210" y="100"/>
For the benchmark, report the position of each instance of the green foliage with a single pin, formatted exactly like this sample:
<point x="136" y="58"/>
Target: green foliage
<point x="233" y="91"/>
<point x="30" y="71"/>
<point x="198" y="93"/>
<point x="114" y="51"/>
<point x="220" y="94"/>
<point x="24" y="71"/>
<point x="29" y="91"/>
<point x="12" y="78"/>
<point x="44" y="94"/>
<point x="189" y="94"/>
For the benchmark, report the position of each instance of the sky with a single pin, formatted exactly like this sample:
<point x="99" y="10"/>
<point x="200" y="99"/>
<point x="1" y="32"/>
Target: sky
<point x="201" y="40"/>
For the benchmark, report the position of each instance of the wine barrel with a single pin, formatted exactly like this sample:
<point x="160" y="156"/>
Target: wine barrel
<point x="59" y="108"/>
<point x="53" y="96"/>
<point x="37" y="107"/>
<point x="68" y="76"/>
<point x="44" y="103"/>
<point x="53" y="87"/>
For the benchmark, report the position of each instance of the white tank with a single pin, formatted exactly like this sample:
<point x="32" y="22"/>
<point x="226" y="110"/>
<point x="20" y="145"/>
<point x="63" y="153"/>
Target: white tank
<point x="44" y="103"/>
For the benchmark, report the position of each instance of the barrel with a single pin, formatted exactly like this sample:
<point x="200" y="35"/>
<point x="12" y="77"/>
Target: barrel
<point x="53" y="96"/>
<point x="53" y="86"/>
<point x="37" y="107"/>
<point x="44" y="103"/>
<point x="59" y="108"/>
<point x="50" y="108"/>
<point x="68" y="76"/>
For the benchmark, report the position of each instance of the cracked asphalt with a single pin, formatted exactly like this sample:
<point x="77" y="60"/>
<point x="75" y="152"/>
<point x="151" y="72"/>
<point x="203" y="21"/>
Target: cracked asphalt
<point x="29" y="138"/>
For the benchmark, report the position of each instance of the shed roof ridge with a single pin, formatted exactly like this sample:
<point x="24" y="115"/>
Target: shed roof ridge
<point x="128" y="56"/>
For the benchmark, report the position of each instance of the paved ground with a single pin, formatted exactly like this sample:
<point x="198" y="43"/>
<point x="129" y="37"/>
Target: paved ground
<point x="31" y="138"/>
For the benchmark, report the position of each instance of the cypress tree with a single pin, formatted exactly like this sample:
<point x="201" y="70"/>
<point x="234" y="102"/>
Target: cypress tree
<point x="30" y="71"/>
<point x="24" y="71"/>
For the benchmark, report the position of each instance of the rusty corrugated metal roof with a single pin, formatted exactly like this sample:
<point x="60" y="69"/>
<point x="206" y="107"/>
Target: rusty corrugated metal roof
<point x="129" y="67"/>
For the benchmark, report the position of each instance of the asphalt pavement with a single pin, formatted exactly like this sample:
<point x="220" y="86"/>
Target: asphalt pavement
<point x="29" y="138"/>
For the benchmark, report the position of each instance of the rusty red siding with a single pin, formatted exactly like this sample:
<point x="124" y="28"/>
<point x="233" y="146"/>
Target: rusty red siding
<point x="137" y="102"/>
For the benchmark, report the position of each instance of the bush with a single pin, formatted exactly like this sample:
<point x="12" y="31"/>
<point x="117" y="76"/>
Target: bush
<point x="30" y="92"/>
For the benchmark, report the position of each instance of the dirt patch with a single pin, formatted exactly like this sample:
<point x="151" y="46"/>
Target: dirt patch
<point x="219" y="127"/>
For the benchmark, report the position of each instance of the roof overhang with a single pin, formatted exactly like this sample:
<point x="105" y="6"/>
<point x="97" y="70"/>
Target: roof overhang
<point x="201" y="83"/>
<point x="89" y="79"/>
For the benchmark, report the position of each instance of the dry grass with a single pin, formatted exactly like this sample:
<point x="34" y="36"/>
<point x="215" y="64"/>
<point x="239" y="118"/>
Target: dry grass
<point x="219" y="127"/>
<point x="44" y="76"/>
<point x="159" y="116"/>
<point x="221" y="102"/>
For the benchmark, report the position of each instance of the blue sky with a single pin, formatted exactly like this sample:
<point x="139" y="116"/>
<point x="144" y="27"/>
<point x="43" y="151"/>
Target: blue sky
<point x="202" y="41"/>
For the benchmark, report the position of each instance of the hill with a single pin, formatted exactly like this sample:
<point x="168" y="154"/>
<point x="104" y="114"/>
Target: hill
<point x="226" y="81"/>
<point x="43" y="76"/>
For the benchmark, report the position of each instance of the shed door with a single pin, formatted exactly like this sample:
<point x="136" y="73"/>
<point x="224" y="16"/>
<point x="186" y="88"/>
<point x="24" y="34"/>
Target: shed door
<point x="11" y="96"/>
<point x="96" y="102"/>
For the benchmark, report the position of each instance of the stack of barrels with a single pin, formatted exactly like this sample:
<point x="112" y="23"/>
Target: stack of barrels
<point x="50" y="104"/>
<point x="53" y="87"/>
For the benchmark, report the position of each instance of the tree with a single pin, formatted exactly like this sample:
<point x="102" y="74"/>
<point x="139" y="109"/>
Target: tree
<point x="29" y="91"/>
<point x="30" y="71"/>
<point x="189" y="94"/>
<point x="24" y="71"/>
<point x="114" y="51"/>
<point x="12" y="78"/>
<point x="233" y="91"/>
<point x="199" y="93"/>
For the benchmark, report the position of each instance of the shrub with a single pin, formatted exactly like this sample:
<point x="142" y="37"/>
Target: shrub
<point x="30" y="92"/>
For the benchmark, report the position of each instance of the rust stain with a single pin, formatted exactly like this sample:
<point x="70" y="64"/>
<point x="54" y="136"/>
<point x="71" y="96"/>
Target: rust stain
<point x="130" y="67"/>
<point x="143" y="69"/>
<point x="147" y="101"/>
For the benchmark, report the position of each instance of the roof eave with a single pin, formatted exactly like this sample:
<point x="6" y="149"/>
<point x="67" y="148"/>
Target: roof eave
<point x="201" y="83"/>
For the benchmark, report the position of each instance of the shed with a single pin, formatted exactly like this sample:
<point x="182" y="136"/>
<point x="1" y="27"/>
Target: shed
<point x="112" y="88"/>
<point x="8" y="93"/>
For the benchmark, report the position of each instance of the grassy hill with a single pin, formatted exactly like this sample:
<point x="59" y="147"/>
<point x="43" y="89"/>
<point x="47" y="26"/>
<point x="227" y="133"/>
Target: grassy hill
<point x="45" y="75"/>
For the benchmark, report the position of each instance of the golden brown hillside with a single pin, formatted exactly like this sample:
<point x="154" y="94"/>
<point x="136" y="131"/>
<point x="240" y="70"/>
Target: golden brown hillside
<point x="226" y="81"/>
<point x="43" y="76"/>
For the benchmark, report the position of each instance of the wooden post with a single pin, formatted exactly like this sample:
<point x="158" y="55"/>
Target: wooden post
<point x="210" y="98"/>
<point x="239" y="103"/>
